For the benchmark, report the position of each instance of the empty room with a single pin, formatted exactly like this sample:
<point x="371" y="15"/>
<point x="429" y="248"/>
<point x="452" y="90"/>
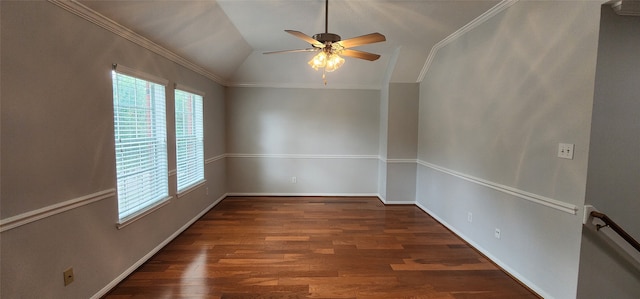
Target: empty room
<point x="319" y="149"/>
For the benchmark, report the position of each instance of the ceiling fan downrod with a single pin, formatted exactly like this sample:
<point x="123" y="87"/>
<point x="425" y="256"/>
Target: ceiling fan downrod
<point x="327" y="38"/>
<point x="331" y="45"/>
<point x="326" y="16"/>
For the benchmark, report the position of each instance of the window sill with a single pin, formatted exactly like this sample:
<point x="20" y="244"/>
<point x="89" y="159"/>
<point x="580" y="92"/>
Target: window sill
<point x="152" y="208"/>
<point x="188" y="190"/>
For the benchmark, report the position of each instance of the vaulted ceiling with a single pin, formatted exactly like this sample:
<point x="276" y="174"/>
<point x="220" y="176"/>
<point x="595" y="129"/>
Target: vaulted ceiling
<point x="228" y="37"/>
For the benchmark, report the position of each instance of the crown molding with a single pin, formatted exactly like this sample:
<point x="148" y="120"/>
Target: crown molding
<point x="460" y="32"/>
<point x="629" y="8"/>
<point x="102" y="21"/>
<point x="306" y="85"/>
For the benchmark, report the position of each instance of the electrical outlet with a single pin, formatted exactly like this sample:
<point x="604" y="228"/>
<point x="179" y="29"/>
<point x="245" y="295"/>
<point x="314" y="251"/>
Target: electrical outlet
<point x="565" y="151"/>
<point x="207" y="191"/>
<point x="68" y="276"/>
<point x="469" y="217"/>
<point x="496" y="233"/>
<point x="294" y="180"/>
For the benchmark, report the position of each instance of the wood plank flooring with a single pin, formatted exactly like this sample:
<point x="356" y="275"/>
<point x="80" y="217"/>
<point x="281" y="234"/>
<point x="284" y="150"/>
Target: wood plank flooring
<point x="317" y="247"/>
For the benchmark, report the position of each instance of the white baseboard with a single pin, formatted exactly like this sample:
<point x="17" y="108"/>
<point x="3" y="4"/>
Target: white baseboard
<point x="382" y="199"/>
<point x="494" y="259"/>
<point x="146" y="257"/>
<point x="398" y="202"/>
<point x="155" y="250"/>
<point x="266" y="194"/>
<point x="486" y="253"/>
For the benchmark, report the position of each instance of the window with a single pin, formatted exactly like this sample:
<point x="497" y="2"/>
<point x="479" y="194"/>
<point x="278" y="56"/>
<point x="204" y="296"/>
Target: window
<point x="189" y="139"/>
<point x="140" y="142"/>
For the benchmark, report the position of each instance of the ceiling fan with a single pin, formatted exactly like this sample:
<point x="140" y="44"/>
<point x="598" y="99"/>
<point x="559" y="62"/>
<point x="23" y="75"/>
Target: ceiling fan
<point x="331" y="45"/>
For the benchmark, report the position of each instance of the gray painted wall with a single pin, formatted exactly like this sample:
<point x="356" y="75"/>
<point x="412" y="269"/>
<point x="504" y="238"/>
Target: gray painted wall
<point x="57" y="146"/>
<point x="494" y="105"/>
<point x="326" y="138"/>
<point x="490" y="113"/>
<point x="402" y="142"/>
<point x="606" y="271"/>
<point x="403" y="120"/>
<point x="383" y="141"/>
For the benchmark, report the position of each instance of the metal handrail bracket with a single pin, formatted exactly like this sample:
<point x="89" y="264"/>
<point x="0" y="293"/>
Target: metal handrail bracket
<point x="615" y="227"/>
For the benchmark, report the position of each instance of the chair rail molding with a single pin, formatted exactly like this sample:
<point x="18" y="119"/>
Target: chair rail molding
<point x="35" y="215"/>
<point x="535" y="198"/>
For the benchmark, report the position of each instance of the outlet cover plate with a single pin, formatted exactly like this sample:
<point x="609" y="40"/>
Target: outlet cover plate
<point x="68" y="276"/>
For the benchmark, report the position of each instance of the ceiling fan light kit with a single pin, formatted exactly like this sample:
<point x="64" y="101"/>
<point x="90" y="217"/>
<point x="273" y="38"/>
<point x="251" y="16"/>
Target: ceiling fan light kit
<point x="330" y="46"/>
<point x="329" y="60"/>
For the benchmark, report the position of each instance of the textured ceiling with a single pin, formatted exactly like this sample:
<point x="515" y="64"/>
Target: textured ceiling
<point x="228" y="37"/>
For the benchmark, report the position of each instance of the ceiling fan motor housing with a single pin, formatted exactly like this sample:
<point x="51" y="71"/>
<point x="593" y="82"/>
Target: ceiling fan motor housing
<point x="327" y="38"/>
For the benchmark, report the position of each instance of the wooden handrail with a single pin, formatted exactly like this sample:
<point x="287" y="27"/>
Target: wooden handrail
<point x="616" y="228"/>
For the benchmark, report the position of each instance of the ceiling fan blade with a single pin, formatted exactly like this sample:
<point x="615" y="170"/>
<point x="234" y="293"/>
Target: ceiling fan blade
<point x="362" y="40"/>
<point x="292" y="51"/>
<point x="306" y="38"/>
<point x="360" y="54"/>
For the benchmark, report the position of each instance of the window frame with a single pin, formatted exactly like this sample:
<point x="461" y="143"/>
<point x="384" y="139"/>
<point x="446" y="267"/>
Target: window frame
<point x="158" y="131"/>
<point x="198" y="134"/>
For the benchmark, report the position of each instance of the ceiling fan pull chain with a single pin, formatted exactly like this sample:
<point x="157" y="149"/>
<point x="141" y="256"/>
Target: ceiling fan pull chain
<point x="324" y="77"/>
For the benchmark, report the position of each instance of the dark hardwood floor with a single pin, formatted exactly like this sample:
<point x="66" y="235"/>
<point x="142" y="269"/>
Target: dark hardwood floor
<point x="317" y="247"/>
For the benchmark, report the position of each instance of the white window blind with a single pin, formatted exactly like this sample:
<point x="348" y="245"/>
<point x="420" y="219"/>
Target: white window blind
<point x="189" y="138"/>
<point x="140" y="140"/>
